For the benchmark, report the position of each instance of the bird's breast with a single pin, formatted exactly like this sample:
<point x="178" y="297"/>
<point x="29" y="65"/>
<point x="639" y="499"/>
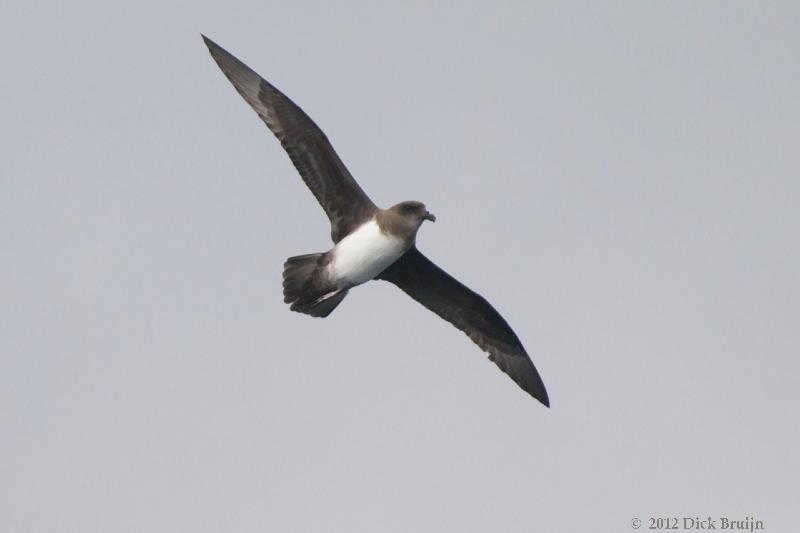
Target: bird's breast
<point x="364" y="254"/>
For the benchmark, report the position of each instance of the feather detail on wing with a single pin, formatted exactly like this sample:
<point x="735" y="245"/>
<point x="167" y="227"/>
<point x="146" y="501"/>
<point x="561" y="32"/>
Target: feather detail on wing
<point x="434" y="288"/>
<point x="346" y="205"/>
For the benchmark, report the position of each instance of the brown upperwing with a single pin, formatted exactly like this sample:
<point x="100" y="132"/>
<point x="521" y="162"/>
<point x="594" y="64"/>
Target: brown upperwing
<point x="346" y="205"/>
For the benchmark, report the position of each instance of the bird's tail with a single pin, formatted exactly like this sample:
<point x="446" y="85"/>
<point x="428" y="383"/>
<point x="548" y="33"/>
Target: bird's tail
<point x="305" y="288"/>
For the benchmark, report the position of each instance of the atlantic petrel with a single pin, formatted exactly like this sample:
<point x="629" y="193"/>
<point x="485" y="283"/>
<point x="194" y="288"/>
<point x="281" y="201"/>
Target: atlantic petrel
<point x="369" y="242"/>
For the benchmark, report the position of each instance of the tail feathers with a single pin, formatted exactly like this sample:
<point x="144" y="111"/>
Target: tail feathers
<point x="298" y="272"/>
<point x="321" y="306"/>
<point x="305" y="288"/>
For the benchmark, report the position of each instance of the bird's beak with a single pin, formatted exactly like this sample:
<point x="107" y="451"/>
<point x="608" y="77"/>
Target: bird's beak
<point x="429" y="216"/>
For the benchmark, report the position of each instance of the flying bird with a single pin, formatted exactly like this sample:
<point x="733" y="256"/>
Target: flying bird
<point x="369" y="242"/>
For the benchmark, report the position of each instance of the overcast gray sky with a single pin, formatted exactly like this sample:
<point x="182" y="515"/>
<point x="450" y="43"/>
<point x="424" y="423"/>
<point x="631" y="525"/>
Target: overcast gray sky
<point x="621" y="181"/>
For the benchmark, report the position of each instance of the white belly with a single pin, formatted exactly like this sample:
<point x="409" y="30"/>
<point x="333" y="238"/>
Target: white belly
<point x="364" y="254"/>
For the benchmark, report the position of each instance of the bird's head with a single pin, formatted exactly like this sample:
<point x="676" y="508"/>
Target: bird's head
<point x="405" y="218"/>
<point x="413" y="212"/>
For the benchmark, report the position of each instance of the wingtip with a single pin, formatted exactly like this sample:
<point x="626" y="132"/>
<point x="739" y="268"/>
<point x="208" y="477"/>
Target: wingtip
<point x="545" y="400"/>
<point x="535" y="387"/>
<point x="539" y="393"/>
<point x="208" y="42"/>
<point x="521" y="370"/>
